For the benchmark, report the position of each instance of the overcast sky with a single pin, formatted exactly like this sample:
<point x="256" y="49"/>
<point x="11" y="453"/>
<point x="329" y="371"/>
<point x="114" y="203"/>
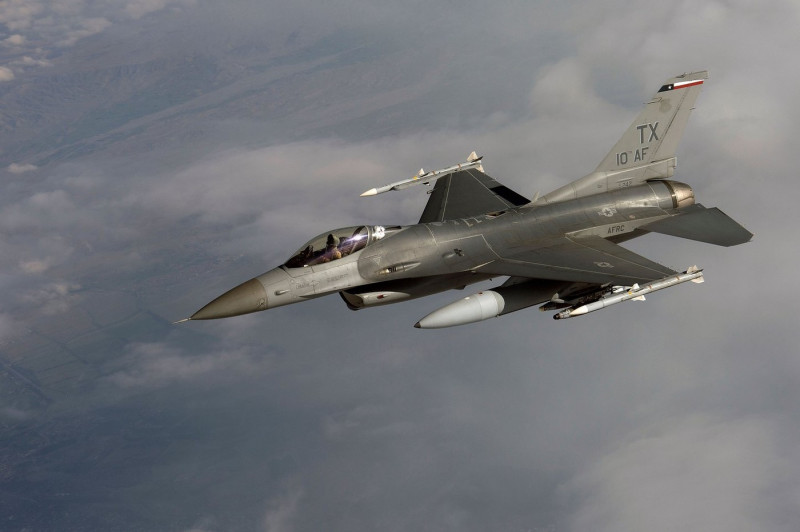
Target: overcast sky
<point x="155" y="153"/>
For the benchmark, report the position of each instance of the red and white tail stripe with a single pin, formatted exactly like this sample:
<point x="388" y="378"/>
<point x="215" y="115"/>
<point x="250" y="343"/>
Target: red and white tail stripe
<point x="680" y="85"/>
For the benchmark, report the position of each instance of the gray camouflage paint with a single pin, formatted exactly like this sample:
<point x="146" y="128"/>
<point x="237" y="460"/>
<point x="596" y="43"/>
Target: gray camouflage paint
<point x="563" y="242"/>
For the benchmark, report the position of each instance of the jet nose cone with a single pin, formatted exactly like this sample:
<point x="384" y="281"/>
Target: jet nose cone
<point x="246" y="298"/>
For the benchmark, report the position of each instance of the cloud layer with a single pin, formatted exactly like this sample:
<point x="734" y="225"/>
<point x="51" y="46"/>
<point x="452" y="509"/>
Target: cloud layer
<point x="674" y="413"/>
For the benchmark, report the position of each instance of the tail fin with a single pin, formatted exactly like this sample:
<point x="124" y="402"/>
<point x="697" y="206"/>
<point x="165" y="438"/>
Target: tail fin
<point x="647" y="149"/>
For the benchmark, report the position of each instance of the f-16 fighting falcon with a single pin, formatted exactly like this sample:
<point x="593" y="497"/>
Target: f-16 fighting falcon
<point x="561" y="251"/>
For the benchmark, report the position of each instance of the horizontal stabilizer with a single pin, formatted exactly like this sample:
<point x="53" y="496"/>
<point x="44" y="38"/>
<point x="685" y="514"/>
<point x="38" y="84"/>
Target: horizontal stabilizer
<point x="711" y="226"/>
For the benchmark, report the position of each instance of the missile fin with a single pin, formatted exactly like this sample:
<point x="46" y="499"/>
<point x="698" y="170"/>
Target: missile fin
<point x="695" y="269"/>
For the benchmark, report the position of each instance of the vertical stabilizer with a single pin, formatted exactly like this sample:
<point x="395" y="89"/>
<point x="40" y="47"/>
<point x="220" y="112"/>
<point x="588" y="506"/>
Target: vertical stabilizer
<point x="647" y="149"/>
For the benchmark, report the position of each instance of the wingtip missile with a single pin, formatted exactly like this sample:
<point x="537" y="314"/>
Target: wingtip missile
<point x="426" y="178"/>
<point x="378" y="190"/>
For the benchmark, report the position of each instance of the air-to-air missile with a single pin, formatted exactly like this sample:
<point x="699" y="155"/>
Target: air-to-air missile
<point x="426" y="178"/>
<point x="560" y="251"/>
<point x="634" y="293"/>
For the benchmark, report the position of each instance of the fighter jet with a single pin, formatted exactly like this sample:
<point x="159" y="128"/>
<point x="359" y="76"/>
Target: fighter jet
<point x="561" y="251"/>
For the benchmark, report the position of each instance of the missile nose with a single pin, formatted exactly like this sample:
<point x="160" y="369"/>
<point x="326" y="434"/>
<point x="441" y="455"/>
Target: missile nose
<point x="246" y="298"/>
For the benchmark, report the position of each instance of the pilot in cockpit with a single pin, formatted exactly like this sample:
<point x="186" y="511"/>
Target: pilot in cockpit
<point x="331" y="249"/>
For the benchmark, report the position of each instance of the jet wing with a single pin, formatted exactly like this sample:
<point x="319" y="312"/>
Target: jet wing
<point x="468" y="193"/>
<point x="585" y="260"/>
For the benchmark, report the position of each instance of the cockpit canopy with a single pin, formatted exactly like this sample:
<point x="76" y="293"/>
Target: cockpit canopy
<point x="336" y="244"/>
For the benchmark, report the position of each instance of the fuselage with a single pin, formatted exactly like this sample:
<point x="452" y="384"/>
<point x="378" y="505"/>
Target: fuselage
<point x="399" y="263"/>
